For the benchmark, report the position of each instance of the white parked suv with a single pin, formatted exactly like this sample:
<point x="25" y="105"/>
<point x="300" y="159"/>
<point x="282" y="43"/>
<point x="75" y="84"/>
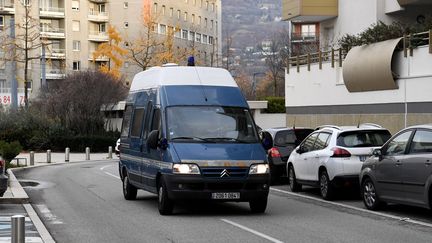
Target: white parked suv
<point x="332" y="157"/>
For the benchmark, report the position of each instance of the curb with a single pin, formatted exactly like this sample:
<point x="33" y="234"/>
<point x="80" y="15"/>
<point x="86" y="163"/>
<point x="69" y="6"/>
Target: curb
<point x="19" y="196"/>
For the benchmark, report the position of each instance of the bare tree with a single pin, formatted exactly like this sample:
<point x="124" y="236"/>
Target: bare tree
<point x="76" y="101"/>
<point x="26" y="43"/>
<point x="275" y="53"/>
<point x="245" y="84"/>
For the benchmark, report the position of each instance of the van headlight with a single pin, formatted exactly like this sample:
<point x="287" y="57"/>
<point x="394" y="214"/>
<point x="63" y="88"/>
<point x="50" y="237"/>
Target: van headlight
<point x="259" y="169"/>
<point x="190" y="169"/>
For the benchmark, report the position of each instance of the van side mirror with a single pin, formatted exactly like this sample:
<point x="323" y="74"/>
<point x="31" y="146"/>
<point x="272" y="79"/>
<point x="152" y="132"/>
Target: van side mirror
<point x="152" y="140"/>
<point x="267" y="140"/>
<point x="299" y="150"/>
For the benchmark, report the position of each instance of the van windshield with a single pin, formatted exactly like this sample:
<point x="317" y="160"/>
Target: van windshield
<point x="210" y="124"/>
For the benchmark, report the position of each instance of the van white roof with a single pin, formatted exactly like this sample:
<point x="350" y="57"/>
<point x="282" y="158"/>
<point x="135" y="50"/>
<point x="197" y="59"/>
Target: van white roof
<point x="181" y="75"/>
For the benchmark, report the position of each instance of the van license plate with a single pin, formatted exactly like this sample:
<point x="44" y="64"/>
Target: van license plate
<point x="363" y="158"/>
<point x="226" y="195"/>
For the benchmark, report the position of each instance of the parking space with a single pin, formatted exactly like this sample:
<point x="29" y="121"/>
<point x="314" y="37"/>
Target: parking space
<point x="6" y="212"/>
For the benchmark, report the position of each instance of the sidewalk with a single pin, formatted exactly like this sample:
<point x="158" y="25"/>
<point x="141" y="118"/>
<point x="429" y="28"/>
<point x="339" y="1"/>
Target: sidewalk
<point x="15" y="197"/>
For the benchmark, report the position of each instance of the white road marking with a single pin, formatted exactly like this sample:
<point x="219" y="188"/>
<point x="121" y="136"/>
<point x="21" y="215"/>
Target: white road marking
<point x="106" y="166"/>
<point x="354" y="208"/>
<point x="43" y="209"/>
<point x="252" y="231"/>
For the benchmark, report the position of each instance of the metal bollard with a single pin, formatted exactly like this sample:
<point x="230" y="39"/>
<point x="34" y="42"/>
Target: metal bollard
<point x="67" y="151"/>
<point x="87" y="151"/>
<point x="18" y="228"/>
<point x="110" y="152"/>
<point x="48" y="156"/>
<point x="32" y="158"/>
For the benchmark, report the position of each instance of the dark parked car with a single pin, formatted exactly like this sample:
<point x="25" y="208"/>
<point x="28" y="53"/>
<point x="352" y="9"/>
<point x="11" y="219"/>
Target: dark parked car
<point x="3" y="177"/>
<point x="285" y="140"/>
<point x="401" y="171"/>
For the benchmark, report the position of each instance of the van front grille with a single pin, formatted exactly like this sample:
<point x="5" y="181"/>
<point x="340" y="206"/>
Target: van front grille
<point x="231" y="172"/>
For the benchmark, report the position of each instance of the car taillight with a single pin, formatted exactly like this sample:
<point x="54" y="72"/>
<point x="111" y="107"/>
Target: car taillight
<point x="2" y="163"/>
<point x="274" y="153"/>
<point x="340" y="153"/>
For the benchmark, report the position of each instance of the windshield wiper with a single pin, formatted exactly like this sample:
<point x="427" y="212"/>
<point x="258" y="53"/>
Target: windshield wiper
<point x="191" y="138"/>
<point x="227" y="138"/>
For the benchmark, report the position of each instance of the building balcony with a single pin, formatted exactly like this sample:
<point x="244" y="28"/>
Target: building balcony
<point x="55" y="53"/>
<point x="304" y="37"/>
<point x="7" y="7"/>
<point x="309" y="10"/>
<point x="98" y="59"/>
<point x="98" y="1"/>
<point x="55" y="74"/>
<point x="97" y="16"/>
<point x="51" y="12"/>
<point x="98" y="36"/>
<point x="53" y="33"/>
<point x="413" y="2"/>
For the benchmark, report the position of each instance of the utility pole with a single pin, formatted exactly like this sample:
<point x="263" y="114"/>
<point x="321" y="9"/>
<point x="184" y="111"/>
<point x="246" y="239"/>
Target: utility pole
<point x="14" y="85"/>
<point x="26" y="56"/>
<point x="43" y="67"/>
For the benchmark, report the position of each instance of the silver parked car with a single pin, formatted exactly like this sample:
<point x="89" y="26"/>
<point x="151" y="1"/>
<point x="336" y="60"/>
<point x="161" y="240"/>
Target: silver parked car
<point x="401" y="171"/>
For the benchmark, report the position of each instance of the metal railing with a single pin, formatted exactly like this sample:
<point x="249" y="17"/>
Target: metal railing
<point x="52" y="9"/>
<point x="52" y="30"/>
<point x="304" y="36"/>
<point x="94" y="12"/>
<point x="337" y="56"/>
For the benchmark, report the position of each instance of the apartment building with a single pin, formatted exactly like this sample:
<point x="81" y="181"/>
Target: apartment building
<point x="73" y="29"/>
<point x="377" y="83"/>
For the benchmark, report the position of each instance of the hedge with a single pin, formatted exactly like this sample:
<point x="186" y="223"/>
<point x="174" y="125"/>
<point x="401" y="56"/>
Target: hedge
<point x="275" y="105"/>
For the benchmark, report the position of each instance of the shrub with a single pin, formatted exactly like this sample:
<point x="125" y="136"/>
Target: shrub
<point x="9" y="151"/>
<point x="275" y="105"/>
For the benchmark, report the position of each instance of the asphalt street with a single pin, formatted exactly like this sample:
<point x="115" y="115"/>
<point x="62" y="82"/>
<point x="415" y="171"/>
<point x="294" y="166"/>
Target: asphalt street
<point x="83" y="202"/>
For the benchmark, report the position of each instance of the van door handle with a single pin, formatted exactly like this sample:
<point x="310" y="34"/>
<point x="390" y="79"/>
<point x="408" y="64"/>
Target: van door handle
<point x="428" y="162"/>
<point x="398" y="163"/>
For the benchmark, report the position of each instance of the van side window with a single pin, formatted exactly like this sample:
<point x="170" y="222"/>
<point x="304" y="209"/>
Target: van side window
<point x="126" y="121"/>
<point x="137" y="122"/>
<point x="156" y="122"/>
<point x="147" y="120"/>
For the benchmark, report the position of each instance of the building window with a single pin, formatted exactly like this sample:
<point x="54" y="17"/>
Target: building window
<point x="75" y="25"/>
<point x="205" y="22"/>
<point x="1" y="21"/>
<point x="126" y="64"/>
<point x="206" y="5"/>
<point x="199" y="20"/>
<point x="75" y="5"/>
<point x="193" y="18"/>
<point x="76" y="66"/>
<point x="213" y="7"/>
<point x="155" y="8"/>
<point x="201" y="3"/>
<point x="211" y="40"/>
<point x="177" y="33"/>
<point x="212" y="24"/>
<point x="125" y="5"/>
<point x="102" y="28"/>
<point x="205" y="39"/>
<point x="162" y="29"/>
<point x="76" y="45"/>
<point x="171" y="12"/>
<point x="194" y="2"/>
<point x="198" y="37"/>
<point x="185" y="16"/>
<point x="26" y="2"/>
<point x="178" y="14"/>
<point x="126" y="25"/>
<point x="192" y="36"/>
<point x="184" y="34"/>
<point x="163" y="9"/>
<point x="308" y="30"/>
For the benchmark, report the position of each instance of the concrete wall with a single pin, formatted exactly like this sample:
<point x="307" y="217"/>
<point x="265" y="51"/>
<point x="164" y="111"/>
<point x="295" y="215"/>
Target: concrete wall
<point x="320" y="96"/>
<point x="270" y="120"/>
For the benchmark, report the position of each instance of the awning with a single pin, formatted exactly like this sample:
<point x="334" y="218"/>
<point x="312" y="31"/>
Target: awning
<point x="368" y="68"/>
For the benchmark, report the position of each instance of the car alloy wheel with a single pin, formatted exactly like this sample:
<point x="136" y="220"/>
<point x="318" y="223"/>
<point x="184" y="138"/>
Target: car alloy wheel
<point x="370" y="195"/>
<point x="323" y="184"/>
<point x="326" y="188"/>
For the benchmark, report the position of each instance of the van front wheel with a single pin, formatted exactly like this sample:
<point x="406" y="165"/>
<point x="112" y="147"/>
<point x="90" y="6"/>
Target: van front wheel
<point x="165" y="205"/>
<point x="258" y="205"/>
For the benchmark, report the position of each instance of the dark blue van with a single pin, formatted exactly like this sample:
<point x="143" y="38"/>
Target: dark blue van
<point x="188" y="135"/>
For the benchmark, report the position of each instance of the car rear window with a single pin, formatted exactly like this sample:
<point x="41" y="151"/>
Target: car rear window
<point x="289" y="137"/>
<point x="363" y="138"/>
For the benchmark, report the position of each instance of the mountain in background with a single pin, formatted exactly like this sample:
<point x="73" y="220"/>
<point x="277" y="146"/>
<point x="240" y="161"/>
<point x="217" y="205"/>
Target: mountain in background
<point x="249" y="22"/>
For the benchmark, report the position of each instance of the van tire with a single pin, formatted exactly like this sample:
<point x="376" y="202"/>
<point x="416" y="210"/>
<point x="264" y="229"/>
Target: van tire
<point x="165" y="205"/>
<point x="129" y="191"/>
<point x="258" y="205"/>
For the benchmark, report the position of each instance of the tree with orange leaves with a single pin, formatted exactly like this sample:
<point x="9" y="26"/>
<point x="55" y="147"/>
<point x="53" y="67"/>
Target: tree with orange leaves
<point x="113" y="51"/>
